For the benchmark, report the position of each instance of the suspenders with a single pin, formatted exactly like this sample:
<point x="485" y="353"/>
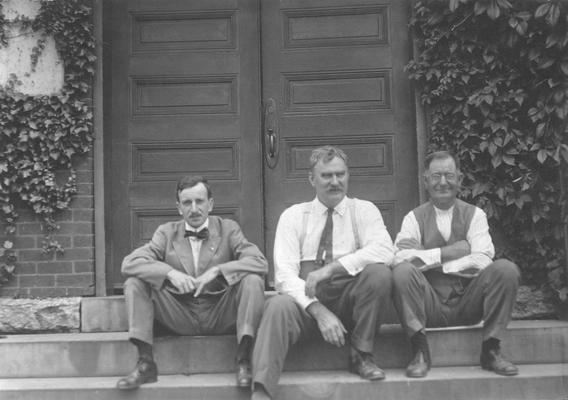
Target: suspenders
<point x="352" y="208"/>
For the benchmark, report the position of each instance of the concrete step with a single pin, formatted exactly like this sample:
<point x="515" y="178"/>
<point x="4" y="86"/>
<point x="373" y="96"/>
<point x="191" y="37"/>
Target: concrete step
<point x="535" y="381"/>
<point x="110" y="353"/>
<point x="108" y="314"/>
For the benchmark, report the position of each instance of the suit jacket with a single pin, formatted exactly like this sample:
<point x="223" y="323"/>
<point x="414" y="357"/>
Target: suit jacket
<point x="226" y="248"/>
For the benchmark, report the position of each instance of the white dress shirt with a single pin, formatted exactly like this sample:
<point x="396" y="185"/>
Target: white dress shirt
<point x="195" y="244"/>
<point x="375" y="242"/>
<point x="481" y="245"/>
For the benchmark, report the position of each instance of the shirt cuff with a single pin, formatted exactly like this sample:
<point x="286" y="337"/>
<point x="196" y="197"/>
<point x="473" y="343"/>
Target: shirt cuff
<point x="304" y="301"/>
<point x="351" y="266"/>
<point x="230" y="276"/>
<point x="431" y="256"/>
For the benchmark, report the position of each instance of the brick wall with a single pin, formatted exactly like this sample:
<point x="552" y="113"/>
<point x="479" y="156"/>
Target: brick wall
<point x="71" y="273"/>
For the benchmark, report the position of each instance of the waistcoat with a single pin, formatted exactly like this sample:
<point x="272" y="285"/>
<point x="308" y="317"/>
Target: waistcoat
<point x="447" y="286"/>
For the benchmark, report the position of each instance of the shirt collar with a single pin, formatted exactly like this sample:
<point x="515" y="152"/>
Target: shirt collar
<point x="320" y="208"/>
<point x="191" y="228"/>
<point x="440" y="212"/>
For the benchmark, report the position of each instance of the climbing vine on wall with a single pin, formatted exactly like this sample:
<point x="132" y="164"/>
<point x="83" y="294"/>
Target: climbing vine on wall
<point x="493" y="76"/>
<point x="41" y="135"/>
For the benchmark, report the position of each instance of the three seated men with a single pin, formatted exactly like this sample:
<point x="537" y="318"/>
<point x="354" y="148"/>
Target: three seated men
<point x="336" y="271"/>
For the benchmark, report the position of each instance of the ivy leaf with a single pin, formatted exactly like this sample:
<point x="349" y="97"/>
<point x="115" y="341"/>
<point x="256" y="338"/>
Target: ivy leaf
<point x="553" y="14"/>
<point x="551" y="40"/>
<point x="542" y="155"/>
<point x="542" y="10"/>
<point x="479" y="188"/>
<point x="493" y="11"/>
<point x="509" y="160"/>
<point x="564" y="151"/>
<point x="496" y="161"/>
<point x="534" y="53"/>
<point x="564" y="66"/>
<point x="454" y="4"/>
<point x="563" y="294"/>
<point x="545" y="62"/>
<point x="504" y="4"/>
<point x="488" y="58"/>
<point x="479" y="8"/>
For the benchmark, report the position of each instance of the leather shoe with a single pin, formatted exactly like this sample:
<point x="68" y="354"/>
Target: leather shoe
<point x="146" y="371"/>
<point x="418" y="367"/>
<point x="244" y="374"/>
<point x="420" y="364"/>
<point x="366" y="368"/>
<point x="493" y="360"/>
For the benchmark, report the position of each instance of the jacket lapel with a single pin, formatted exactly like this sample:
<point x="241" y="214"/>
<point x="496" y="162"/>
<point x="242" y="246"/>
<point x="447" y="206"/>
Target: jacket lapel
<point x="209" y="246"/>
<point x="183" y="249"/>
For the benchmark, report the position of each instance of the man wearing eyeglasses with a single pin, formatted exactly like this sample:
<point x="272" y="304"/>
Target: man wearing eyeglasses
<point x="444" y="273"/>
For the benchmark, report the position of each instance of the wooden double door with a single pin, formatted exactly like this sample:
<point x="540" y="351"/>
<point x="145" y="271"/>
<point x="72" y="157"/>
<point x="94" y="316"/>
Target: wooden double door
<point x="241" y="91"/>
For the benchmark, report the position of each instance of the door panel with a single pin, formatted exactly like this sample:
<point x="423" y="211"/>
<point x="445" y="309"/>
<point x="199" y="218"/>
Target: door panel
<point x="334" y="74"/>
<point x="186" y="91"/>
<point x="185" y="99"/>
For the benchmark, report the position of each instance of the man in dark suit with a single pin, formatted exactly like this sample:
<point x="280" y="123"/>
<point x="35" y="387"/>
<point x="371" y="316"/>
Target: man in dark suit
<point x="196" y="276"/>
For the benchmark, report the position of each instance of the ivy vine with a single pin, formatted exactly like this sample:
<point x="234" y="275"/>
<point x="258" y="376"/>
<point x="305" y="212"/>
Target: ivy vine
<point x="493" y="76"/>
<point x="42" y="135"/>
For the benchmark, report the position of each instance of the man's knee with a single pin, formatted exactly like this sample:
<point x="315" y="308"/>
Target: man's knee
<point x="134" y="285"/>
<point x="279" y="306"/>
<point x="376" y="276"/>
<point x="504" y="270"/>
<point x="403" y="274"/>
<point x="252" y="282"/>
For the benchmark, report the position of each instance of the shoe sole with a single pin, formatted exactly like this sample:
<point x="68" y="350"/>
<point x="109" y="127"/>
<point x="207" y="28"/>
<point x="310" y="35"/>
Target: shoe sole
<point x="375" y="378"/>
<point x="371" y="378"/>
<point x="502" y="373"/>
<point x="153" y="380"/>
<point x="244" y="384"/>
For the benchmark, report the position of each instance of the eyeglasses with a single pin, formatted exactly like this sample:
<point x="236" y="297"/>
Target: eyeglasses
<point x="437" y="177"/>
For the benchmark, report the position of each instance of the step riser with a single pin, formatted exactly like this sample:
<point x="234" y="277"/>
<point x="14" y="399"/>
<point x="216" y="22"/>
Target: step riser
<point x="108" y="314"/>
<point x="543" y="388"/>
<point x="207" y="354"/>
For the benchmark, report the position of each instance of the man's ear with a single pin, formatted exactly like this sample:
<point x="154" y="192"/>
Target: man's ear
<point x="178" y="208"/>
<point x="460" y="179"/>
<point x="211" y="202"/>
<point x="425" y="178"/>
<point x="311" y="178"/>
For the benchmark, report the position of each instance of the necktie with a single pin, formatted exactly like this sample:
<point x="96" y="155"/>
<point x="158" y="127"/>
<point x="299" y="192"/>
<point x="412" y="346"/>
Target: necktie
<point x="201" y="235"/>
<point x="326" y="241"/>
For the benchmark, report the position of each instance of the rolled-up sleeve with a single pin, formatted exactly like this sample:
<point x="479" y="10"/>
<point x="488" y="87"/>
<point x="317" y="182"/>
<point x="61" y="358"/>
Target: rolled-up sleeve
<point x="481" y="245"/>
<point x="376" y="243"/>
<point x="287" y="257"/>
<point x="410" y="230"/>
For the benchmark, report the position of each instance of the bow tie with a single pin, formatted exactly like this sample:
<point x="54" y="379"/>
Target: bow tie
<point x="201" y="235"/>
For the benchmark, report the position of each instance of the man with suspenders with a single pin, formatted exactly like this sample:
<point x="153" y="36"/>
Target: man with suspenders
<point x="331" y="259"/>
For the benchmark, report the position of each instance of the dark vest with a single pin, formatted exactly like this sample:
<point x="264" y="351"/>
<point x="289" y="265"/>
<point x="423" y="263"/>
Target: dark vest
<point x="447" y="286"/>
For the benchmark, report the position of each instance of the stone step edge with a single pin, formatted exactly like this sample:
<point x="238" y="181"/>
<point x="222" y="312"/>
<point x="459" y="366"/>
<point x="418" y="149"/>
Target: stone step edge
<point x="288" y="378"/>
<point x="385" y="330"/>
<point x="109" y="354"/>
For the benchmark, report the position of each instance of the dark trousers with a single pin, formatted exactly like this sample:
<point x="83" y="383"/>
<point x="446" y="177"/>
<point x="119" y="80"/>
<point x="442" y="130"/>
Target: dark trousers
<point x="238" y="309"/>
<point x="490" y="297"/>
<point x="356" y="300"/>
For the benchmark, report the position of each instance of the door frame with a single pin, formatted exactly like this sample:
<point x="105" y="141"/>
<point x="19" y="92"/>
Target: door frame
<point x="101" y="87"/>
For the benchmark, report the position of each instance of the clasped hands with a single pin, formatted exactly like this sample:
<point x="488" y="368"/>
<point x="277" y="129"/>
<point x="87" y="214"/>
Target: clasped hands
<point x="185" y="283"/>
